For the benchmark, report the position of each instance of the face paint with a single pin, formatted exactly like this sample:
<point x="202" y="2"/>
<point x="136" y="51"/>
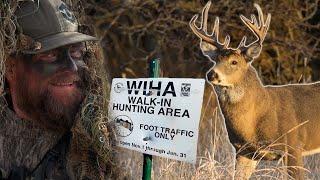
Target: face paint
<point x="61" y="59"/>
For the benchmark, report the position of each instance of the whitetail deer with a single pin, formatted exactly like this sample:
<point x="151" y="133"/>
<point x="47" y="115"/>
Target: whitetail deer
<point x="263" y="122"/>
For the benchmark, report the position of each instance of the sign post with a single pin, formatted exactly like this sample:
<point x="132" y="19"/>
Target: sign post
<point x="154" y="72"/>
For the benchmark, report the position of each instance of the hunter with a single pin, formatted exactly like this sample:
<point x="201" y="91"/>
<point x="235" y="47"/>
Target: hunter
<point x="46" y="87"/>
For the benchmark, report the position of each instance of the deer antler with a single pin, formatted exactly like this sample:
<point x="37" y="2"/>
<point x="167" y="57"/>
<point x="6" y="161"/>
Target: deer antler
<point x="202" y="31"/>
<point x="259" y="29"/>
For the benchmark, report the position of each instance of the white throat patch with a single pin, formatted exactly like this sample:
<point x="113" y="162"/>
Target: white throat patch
<point x="232" y="95"/>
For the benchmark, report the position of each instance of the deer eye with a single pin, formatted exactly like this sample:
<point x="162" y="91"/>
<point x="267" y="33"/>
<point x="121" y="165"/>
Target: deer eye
<point x="234" y="62"/>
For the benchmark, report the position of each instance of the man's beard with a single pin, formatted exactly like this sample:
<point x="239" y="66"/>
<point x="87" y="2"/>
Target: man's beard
<point x="44" y="108"/>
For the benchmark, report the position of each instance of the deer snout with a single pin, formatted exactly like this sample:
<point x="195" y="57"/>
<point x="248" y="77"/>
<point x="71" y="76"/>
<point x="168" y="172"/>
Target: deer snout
<point x="213" y="76"/>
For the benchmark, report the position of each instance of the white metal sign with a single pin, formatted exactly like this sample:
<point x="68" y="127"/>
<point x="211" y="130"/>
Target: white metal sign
<point x="158" y="116"/>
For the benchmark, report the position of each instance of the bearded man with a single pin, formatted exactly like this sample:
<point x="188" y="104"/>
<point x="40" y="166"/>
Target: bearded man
<point x="46" y="83"/>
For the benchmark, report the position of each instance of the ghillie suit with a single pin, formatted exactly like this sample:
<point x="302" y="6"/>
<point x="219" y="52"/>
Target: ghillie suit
<point x="27" y="151"/>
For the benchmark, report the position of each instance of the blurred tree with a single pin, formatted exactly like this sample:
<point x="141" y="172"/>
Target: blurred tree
<point x="134" y="31"/>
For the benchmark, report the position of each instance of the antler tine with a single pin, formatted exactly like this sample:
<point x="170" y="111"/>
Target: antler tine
<point x="260" y="14"/>
<point x="216" y="29"/>
<point x="267" y="24"/>
<point x="242" y="42"/>
<point x="202" y="31"/>
<point x="254" y="20"/>
<point x="258" y="27"/>
<point x="226" y="41"/>
<point x="204" y="16"/>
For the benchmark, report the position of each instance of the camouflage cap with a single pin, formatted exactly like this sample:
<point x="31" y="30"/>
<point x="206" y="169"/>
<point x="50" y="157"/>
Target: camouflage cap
<point x="50" y="23"/>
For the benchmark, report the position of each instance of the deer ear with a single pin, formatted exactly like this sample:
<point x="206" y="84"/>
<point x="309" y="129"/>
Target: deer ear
<point x="253" y="51"/>
<point x="209" y="50"/>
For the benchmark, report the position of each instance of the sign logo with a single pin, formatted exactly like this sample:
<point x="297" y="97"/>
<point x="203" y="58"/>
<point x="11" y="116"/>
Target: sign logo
<point x="118" y="87"/>
<point x="185" y="89"/>
<point x="66" y="13"/>
<point x="124" y="125"/>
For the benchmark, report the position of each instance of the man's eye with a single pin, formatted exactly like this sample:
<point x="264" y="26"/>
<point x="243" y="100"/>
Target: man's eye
<point x="76" y="54"/>
<point x="48" y="57"/>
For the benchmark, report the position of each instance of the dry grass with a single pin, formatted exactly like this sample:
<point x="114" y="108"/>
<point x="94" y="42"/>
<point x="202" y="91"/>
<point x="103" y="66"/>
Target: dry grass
<point x="216" y="157"/>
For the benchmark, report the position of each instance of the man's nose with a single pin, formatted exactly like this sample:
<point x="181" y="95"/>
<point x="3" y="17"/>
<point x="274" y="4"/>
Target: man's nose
<point x="71" y="65"/>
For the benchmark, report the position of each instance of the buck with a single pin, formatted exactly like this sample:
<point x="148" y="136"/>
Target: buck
<point x="263" y="122"/>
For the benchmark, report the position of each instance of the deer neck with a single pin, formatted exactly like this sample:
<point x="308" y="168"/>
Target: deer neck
<point x="239" y="106"/>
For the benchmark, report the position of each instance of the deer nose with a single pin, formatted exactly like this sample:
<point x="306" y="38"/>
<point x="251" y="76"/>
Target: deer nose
<point x="212" y="76"/>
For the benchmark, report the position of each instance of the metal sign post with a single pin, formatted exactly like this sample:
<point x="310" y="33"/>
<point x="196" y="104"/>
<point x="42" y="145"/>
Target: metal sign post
<point x="154" y="72"/>
<point x="147" y="167"/>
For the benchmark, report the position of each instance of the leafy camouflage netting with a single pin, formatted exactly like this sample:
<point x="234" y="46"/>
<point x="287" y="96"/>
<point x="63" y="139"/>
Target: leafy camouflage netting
<point x="8" y="38"/>
<point x="91" y="132"/>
